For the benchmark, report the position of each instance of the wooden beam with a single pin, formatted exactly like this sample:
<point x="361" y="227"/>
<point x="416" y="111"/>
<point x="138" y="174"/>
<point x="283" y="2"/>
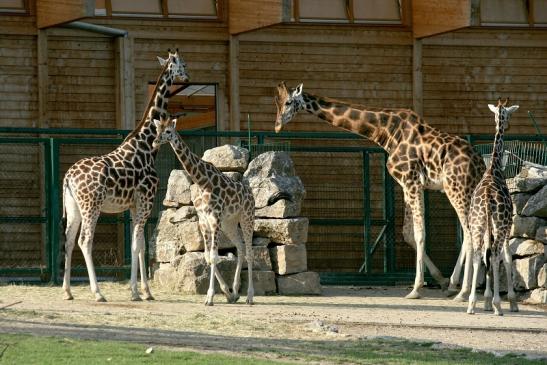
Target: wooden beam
<point x="125" y="83"/>
<point x="197" y="121"/>
<point x="54" y="12"/>
<point x="530" y="7"/>
<point x="246" y="15"/>
<point x="430" y="17"/>
<point x="349" y="10"/>
<point x="417" y="78"/>
<point x="164" y="8"/>
<point x="234" y="83"/>
<point x="43" y="79"/>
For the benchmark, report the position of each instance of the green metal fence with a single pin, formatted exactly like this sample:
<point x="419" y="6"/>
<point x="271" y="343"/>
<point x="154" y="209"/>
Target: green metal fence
<point x="367" y="229"/>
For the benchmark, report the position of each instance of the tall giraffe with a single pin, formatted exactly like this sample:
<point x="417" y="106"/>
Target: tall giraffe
<point x="223" y="203"/>
<point x="420" y="157"/>
<point x="490" y="220"/>
<point x="122" y="179"/>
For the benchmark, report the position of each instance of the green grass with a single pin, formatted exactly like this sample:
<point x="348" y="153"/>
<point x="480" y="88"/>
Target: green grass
<point x="26" y="349"/>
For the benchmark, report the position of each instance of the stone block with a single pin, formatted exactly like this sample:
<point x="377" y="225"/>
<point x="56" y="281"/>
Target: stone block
<point x="289" y="259"/>
<point x="261" y="241"/>
<point x="272" y="163"/>
<point x="261" y="259"/>
<point x="538" y="296"/>
<point x="284" y="231"/>
<point x="186" y="212"/>
<point x="541" y="234"/>
<point x="237" y="176"/>
<point x="178" y="189"/>
<point x="542" y="277"/>
<point x="537" y="204"/>
<point x="264" y="188"/>
<point x="525" y="272"/>
<point x="263" y="282"/>
<point x="519" y="201"/>
<point x="525" y="247"/>
<point x="280" y="209"/>
<point x="526" y="226"/>
<point x="228" y="158"/>
<point x="304" y="283"/>
<point x="530" y="179"/>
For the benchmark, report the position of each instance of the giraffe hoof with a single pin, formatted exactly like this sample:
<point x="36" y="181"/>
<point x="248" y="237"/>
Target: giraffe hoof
<point x="136" y="298"/>
<point x="233" y="298"/>
<point x="100" y="299"/>
<point x="488" y="305"/>
<point x="413" y="295"/>
<point x="513" y="307"/>
<point x="459" y="298"/>
<point x="149" y="297"/>
<point x="250" y="302"/>
<point x="470" y="311"/>
<point x="208" y="303"/>
<point x="452" y="290"/>
<point x="68" y="296"/>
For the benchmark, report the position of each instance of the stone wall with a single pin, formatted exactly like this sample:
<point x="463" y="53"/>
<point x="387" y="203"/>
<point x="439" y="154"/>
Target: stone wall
<point x="279" y="242"/>
<point x="528" y="242"/>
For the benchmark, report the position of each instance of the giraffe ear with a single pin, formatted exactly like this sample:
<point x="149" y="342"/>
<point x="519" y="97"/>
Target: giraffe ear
<point x="512" y="109"/>
<point x="493" y="108"/>
<point x="298" y="90"/>
<point x="162" y="61"/>
<point x="174" y="123"/>
<point x="157" y="123"/>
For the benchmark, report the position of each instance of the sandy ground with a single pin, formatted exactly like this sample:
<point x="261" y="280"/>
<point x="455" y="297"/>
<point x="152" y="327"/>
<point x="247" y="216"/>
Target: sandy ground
<point x="278" y="322"/>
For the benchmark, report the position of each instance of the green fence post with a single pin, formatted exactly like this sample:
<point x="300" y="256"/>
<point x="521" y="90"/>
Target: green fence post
<point x="367" y="266"/>
<point x="389" y="218"/>
<point x="54" y="216"/>
<point x="47" y="190"/>
<point x="126" y="242"/>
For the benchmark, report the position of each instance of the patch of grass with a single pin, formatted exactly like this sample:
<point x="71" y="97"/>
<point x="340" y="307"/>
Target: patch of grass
<point x="25" y="349"/>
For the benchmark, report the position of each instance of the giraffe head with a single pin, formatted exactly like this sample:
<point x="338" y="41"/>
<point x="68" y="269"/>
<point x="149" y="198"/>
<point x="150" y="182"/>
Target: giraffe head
<point x="167" y="131"/>
<point x="176" y="67"/>
<point x="288" y="102"/>
<point x="502" y="113"/>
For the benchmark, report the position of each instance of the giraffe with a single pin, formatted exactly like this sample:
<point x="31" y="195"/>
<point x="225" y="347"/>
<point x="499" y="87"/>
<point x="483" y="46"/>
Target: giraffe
<point x="223" y="203"/>
<point x="420" y="157"/>
<point x="122" y="179"/>
<point x="490" y="220"/>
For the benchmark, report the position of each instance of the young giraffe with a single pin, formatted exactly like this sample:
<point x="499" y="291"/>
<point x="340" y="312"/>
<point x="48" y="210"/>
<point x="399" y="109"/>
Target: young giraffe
<point x="420" y="157"/>
<point x="490" y="220"/>
<point x="123" y="179"/>
<point x="223" y="203"/>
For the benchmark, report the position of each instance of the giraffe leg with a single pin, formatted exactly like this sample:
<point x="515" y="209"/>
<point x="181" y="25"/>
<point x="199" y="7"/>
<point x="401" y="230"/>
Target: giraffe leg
<point x="213" y="257"/>
<point x="467" y="248"/>
<point x="86" y="244"/>
<point x="231" y="231"/>
<point x="507" y="261"/>
<point x="473" y="295"/>
<point x="247" y="228"/>
<point x="488" y="291"/>
<point x="416" y="202"/>
<point x="139" y="217"/>
<point x="496" y="302"/>
<point x="73" y="220"/>
<point x="408" y="234"/>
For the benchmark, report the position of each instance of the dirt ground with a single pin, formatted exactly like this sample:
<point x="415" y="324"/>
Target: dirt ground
<point x="280" y="322"/>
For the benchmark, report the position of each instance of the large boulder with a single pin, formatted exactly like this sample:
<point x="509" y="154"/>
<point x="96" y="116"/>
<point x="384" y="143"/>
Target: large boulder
<point x="525" y="247"/>
<point x="286" y="231"/>
<point x="234" y="175"/>
<point x="263" y="282"/>
<point x="304" y="283"/>
<point x="264" y="188"/>
<point x="178" y="189"/>
<point x="537" y="296"/>
<point x="537" y="204"/>
<point x="519" y="201"/>
<point x="526" y="226"/>
<point x="542" y="277"/>
<point x="525" y="272"/>
<point x="261" y="259"/>
<point x="228" y="158"/>
<point x="530" y="179"/>
<point x="289" y="259"/>
<point x="189" y="273"/>
<point x="541" y="234"/>
<point x="268" y="164"/>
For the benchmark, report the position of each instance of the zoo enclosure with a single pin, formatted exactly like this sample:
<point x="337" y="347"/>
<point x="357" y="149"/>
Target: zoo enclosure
<point x="355" y="208"/>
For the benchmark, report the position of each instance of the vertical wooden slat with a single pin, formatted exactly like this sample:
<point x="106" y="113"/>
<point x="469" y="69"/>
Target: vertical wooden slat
<point x="296" y="10"/>
<point x="42" y="55"/>
<point x="234" y="83"/>
<point x="108" y="5"/>
<point x="164" y="8"/>
<point x="417" y="77"/>
<point x="530" y="5"/>
<point x="125" y="80"/>
<point x="349" y="10"/>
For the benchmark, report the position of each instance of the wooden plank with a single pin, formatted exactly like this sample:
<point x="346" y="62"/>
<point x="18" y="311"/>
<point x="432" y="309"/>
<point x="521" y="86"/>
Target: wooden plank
<point x="246" y="15"/>
<point x="430" y="17"/>
<point x="417" y="77"/>
<point x="125" y="80"/>
<point x="54" y="12"/>
<point x="234" y="83"/>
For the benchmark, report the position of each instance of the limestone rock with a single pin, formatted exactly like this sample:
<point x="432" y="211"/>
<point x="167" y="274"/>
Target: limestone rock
<point x="261" y="259"/>
<point x="178" y="189"/>
<point x="289" y="259"/>
<point x="164" y="245"/>
<point x="525" y="272"/>
<point x="261" y="241"/>
<point x="268" y="164"/>
<point x="264" y="188"/>
<point x="304" y="283"/>
<point x="526" y="226"/>
<point x="237" y="176"/>
<point x="541" y="234"/>
<point x="538" y="296"/>
<point x="537" y="204"/>
<point x="228" y="158"/>
<point x="186" y="212"/>
<point x="542" y="276"/>
<point x="263" y="282"/>
<point x="190" y="274"/>
<point x="519" y="201"/>
<point x="525" y="247"/>
<point x="286" y="231"/>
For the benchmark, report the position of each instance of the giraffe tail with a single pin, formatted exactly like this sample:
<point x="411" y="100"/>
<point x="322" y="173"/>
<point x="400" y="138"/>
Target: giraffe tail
<point x="280" y="195"/>
<point x="487" y="242"/>
<point x="63" y="220"/>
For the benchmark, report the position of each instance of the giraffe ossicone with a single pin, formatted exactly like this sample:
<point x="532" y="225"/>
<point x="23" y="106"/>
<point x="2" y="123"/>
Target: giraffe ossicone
<point x="420" y="157"/>
<point x="120" y="180"/>
<point x="490" y="221"/>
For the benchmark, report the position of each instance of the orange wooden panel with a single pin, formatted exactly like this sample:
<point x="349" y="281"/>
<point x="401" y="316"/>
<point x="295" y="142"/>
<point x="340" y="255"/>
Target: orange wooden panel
<point x="431" y="17"/>
<point x="54" y="12"/>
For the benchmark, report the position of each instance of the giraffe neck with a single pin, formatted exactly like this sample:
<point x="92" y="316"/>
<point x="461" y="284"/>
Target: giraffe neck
<point x="497" y="152"/>
<point x="377" y="125"/>
<point x="198" y="169"/>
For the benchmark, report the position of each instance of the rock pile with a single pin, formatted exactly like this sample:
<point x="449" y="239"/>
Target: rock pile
<point x="528" y="242"/>
<point x="280" y="263"/>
